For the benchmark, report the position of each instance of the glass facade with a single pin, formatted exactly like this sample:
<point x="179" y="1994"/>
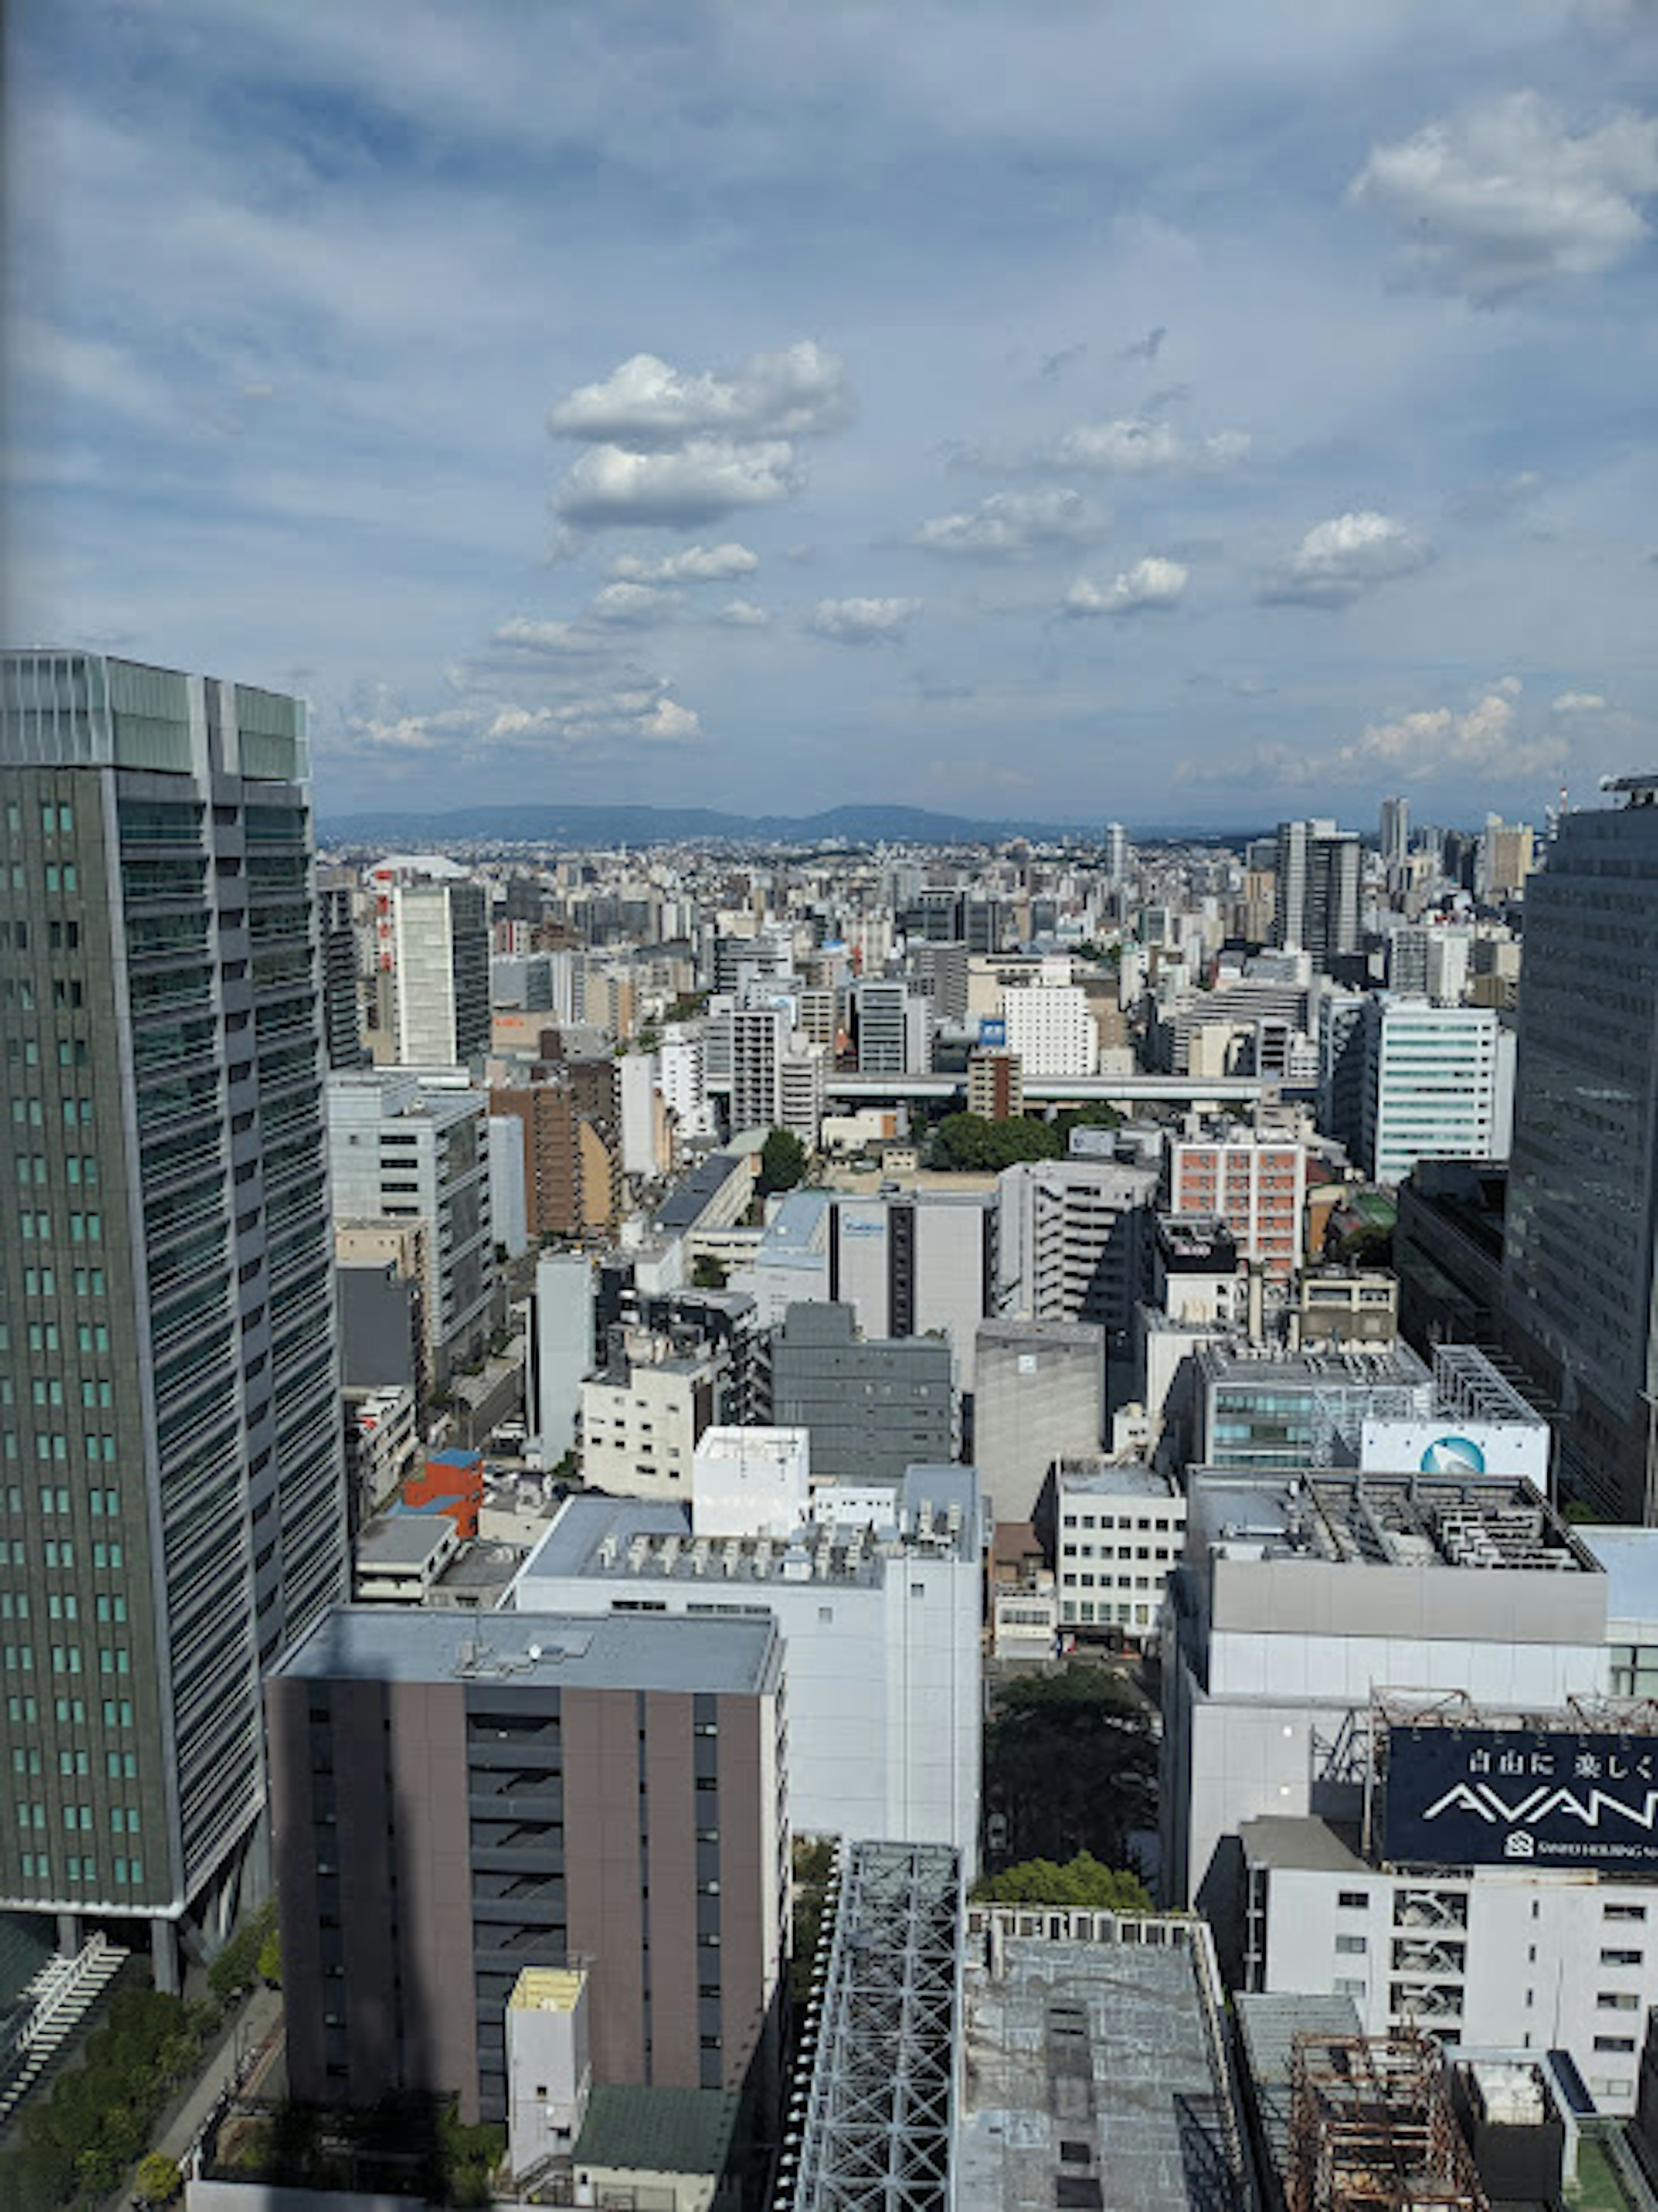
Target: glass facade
<point x="1583" y="1185"/>
<point x="171" y="1479"/>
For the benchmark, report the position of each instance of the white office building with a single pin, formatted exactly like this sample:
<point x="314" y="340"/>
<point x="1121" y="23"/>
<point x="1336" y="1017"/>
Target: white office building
<point x="441" y="935"/>
<point x="1050" y="1028"/>
<point x="1403" y="1761"/>
<point x="1438" y="1084"/>
<point x="415" y="1149"/>
<point x="558" y="1353"/>
<point x="1119" y="1532"/>
<point x="882" y="1622"/>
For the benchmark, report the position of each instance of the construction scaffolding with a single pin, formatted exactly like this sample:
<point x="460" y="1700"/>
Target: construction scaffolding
<point x="1371" y="2128"/>
<point x="870" y="2127"/>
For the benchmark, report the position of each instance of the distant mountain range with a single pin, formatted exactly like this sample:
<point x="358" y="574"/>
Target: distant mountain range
<point x="602" y="826"/>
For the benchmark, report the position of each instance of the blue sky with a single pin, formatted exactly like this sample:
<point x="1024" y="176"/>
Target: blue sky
<point x="1184" y="414"/>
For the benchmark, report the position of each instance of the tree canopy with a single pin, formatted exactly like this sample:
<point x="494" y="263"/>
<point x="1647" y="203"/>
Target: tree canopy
<point x="1082" y="1880"/>
<point x="782" y="1161"/>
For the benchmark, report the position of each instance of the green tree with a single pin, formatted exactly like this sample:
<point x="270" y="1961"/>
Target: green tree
<point x="782" y="1161"/>
<point x="707" y="1273"/>
<point x="969" y="1143"/>
<point x="1082" y="1881"/>
<point x="158" y="2179"/>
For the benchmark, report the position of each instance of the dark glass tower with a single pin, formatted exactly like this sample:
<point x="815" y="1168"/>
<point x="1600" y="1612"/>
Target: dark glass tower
<point x="171" y="1505"/>
<point x="1582" y="1216"/>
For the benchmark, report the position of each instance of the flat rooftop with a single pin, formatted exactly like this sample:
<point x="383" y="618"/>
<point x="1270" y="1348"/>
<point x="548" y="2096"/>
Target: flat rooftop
<point x="1087" y="2072"/>
<point x="622" y="1539"/>
<point x="404" y="1539"/>
<point x="1375" y="1367"/>
<point x="1095" y="1478"/>
<point x="548" y="1650"/>
<point x="1382" y="1520"/>
<point x="1301" y="1840"/>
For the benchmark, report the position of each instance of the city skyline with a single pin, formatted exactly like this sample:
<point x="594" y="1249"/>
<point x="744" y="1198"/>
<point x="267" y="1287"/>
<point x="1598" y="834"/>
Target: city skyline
<point x="997" y="413"/>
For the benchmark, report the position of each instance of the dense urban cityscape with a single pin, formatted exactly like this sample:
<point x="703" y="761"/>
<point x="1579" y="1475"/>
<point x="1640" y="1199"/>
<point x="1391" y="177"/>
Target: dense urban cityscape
<point x="828" y="1185"/>
<point x="544" y="1387"/>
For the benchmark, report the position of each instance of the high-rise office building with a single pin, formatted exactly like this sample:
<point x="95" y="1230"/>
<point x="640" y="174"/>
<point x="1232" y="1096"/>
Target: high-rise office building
<point x="1438" y="1084"/>
<point x="1315" y="901"/>
<point x="1396" y="832"/>
<point x="1581" y="1250"/>
<point x="442" y="933"/>
<point x="1114" y="859"/>
<point x="171" y="1480"/>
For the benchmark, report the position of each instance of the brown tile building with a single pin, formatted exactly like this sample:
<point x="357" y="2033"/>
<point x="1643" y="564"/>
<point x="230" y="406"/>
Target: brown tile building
<point x="450" y="1807"/>
<point x="572" y="1147"/>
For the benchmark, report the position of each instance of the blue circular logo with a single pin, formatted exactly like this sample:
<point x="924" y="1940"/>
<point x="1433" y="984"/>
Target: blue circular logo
<point x="1453" y="1455"/>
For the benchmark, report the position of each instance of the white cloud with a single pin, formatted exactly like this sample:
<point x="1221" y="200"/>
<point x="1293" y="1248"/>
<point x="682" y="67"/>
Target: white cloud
<point x="1503" y="196"/>
<point x="641" y="714"/>
<point x="522" y="633"/>
<point x="743" y="614"/>
<point x="1338" y="559"/>
<point x="1485" y="740"/>
<point x="611" y="487"/>
<point x="1135" y="446"/>
<point x="1580" y="702"/>
<point x="802" y="391"/>
<point x="1011" y="526"/>
<point x="697" y="564"/>
<point x="1152" y="585"/>
<point x="863" y="621"/>
<point x="636" y="605"/>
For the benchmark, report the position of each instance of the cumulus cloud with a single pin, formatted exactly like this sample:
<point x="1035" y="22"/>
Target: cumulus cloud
<point x="863" y="621"/>
<point x="637" y="606"/>
<point x="646" y="403"/>
<point x="1135" y="446"/>
<point x="1340" y="559"/>
<point x="1504" y="196"/>
<point x="743" y="614"/>
<point x="1152" y="585"/>
<point x="522" y="633"/>
<point x="612" y="487"/>
<point x="1486" y="740"/>
<point x="697" y="564"/>
<point x="1580" y="702"/>
<point x="1011" y="526"/>
<point x="643" y="714"/>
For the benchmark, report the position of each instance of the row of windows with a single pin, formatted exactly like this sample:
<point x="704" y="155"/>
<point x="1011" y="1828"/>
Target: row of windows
<point x="116" y="1712"/>
<point x="61" y="936"/>
<point x="67" y="992"/>
<point x="80" y="1169"/>
<point x="66" y="1659"/>
<point x="86" y="1282"/>
<point x="1125" y="1520"/>
<point x="77" y="1867"/>
<point x="35" y="1228"/>
<point x="118" y="1766"/>
<point x="48" y="1390"/>
<point x="57" y="817"/>
<point x="62" y="1605"/>
<point x="123" y="1819"/>
<point x="55" y="1499"/>
<point x="53" y="1444"/>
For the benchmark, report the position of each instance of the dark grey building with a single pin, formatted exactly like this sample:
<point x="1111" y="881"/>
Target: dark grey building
<point x="341" y="983"/>
<point x="173" y="1493"/>
<point x="1315" y="897"/>
<point x="873" y="1407"/>
<point x="1581" y="1253"/>
<point x="456" y="1800"/>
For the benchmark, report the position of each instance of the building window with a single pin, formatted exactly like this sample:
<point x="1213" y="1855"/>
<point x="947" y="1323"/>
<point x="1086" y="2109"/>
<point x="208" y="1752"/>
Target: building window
<point x="1352" y="1945"/>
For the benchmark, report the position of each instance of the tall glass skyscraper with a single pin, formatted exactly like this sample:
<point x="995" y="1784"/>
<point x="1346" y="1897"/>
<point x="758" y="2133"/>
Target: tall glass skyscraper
<point x="1582" y="1246"/>
<point x="171" y="1502"/>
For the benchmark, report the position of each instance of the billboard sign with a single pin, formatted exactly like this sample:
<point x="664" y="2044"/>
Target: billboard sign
<point x="1498" y="1796"/>
<point x="992" y="1033"/>
<point x="1514" y="1448"/>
